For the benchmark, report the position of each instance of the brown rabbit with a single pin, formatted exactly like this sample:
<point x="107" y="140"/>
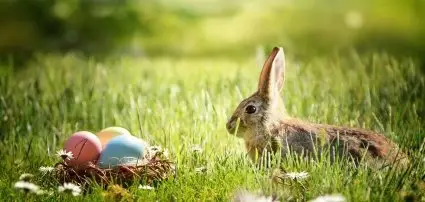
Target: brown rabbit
<point x="262" y="122"/>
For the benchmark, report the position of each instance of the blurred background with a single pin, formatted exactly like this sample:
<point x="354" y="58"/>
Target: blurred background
<point x="210" y="28"/>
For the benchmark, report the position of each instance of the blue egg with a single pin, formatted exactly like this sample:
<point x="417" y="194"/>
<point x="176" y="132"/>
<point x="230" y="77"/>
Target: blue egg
<point x="122" y="150"/>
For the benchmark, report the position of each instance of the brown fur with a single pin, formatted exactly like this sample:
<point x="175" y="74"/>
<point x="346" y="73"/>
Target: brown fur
<point x="269" y="129"/>
<point x="305" y="138"/>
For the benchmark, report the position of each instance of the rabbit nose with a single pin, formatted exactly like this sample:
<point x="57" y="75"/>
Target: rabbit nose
<point x="231" y="123"/>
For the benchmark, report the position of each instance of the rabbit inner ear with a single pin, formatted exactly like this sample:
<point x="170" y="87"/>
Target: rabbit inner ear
<point x="272" y="75"/>
<point x="279" y="69"/>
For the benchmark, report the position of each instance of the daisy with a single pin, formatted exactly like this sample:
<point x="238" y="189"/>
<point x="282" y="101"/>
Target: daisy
<point x="27" y="186"/>
<point x="25" y="177"/>
<point x="196" y="149"/>
<point x="71" y="188"/>
<point x="296" y="176"/>
<point x="64" y="155"/>
<point x="145" y="187"/>
<point x="329" y="198"/>
<point x="46" y="169"/>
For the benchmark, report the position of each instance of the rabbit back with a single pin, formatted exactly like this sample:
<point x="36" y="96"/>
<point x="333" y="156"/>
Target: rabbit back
<point x="311" y="139"/>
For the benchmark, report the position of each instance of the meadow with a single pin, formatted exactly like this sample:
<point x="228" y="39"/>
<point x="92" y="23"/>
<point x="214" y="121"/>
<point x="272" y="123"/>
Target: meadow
<point x="184" y="103"/>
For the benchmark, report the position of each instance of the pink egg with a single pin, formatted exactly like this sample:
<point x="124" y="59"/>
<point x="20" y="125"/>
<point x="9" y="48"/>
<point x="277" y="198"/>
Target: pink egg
<point x="85" y="147"/>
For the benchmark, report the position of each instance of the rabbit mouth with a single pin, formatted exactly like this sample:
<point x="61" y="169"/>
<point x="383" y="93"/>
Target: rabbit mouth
<point x="239" y="132"/>
<point x="233" y="126"/>
<point x="231" y="130"/>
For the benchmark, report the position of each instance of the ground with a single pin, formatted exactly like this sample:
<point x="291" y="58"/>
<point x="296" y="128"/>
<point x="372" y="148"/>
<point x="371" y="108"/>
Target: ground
<point x="184" y="103"/>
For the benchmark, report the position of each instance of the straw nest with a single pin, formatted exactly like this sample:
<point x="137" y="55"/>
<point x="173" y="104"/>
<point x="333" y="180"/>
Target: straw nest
<point x="154" y="168"/>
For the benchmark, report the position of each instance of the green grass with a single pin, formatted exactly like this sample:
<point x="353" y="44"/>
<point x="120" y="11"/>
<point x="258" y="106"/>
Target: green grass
<point x="179" y="103"/>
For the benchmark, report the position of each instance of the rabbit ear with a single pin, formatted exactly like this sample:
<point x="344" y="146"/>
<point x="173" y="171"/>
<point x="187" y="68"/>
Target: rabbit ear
<point x="272" y="75"/>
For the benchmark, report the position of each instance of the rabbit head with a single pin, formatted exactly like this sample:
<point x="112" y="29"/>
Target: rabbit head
<point x="265" y="106"/>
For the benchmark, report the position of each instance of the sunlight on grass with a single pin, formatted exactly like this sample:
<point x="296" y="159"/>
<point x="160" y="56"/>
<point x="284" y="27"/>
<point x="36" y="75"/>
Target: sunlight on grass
<point x="183" y="104"/>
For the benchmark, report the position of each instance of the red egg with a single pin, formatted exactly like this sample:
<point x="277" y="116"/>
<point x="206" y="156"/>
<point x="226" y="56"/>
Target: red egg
<point x="85" y="147"/>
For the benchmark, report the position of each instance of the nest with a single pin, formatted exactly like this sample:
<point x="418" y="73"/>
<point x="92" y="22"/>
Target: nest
<point x="151" y="170"/>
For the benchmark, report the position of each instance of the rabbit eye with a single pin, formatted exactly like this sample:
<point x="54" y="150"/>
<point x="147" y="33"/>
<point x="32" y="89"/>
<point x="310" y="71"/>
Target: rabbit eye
<point x="250" y="109"/>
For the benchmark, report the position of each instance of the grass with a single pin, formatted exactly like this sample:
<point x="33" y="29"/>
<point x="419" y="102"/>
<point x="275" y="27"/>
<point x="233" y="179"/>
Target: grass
<point x="181" y="103"/>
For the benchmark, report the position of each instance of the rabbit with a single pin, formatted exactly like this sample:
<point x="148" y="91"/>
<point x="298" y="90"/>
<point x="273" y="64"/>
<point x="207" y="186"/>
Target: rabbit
<point x="261" y="120"/>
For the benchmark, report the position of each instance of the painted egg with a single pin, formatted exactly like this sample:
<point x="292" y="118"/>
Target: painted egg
<point x="122" y="150"/>
<point x="85" y="148"/>
<point x="107" y="134"/>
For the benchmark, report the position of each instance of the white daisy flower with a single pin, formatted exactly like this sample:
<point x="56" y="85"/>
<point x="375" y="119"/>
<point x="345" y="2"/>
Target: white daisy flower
<point x="64" y="155"/>
<point x="71" y="188"/>
<point x="46" y="169"/>
<point x="196" y="149"/>
<point x="296" y="176"/>
<point x="26" y="177"/>
<point x="329" y="198"/>
<point x="145" y="187"/>
<point x="27" y="186"/>
<point x="201" y="169"/>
